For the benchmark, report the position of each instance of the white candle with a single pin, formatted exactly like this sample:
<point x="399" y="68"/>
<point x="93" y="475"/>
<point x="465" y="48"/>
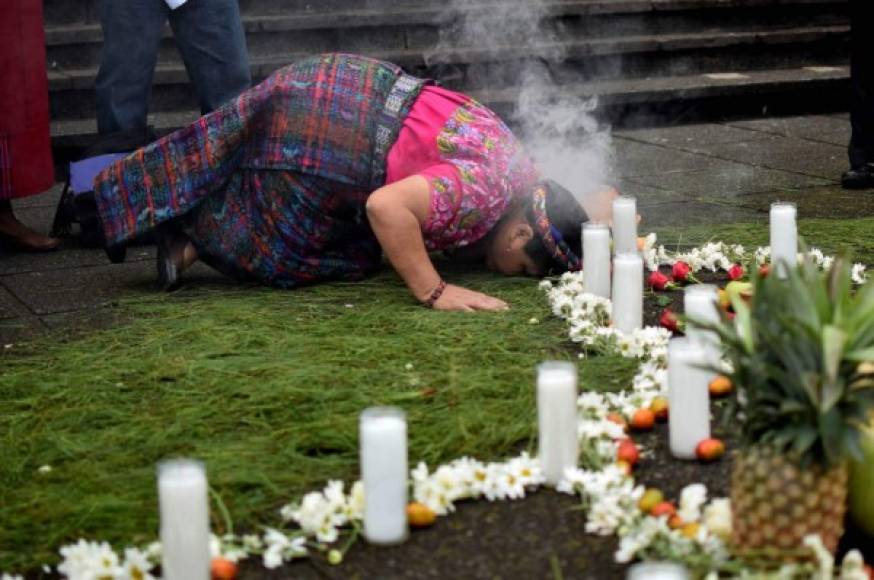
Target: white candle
<point x="627" y="292"/>
<point x="658" y="571"/>
<point x="596" y="259"/>
<point x="784" y="236"/>
<point x="688" y="397"/>
<point x="383" y="445"/>
<point x="700" y="303"/>
<point x="184" y="509"/>
<point x="624" y="224"/>
<point x="557" y="418"/>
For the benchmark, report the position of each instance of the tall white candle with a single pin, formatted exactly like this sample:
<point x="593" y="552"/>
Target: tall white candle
<point x="688" y="397"/>
<point x="700" y="303"/>
<point x="624" y="224"/>
<point x="627" y="292"/>
<point x="184" y="509"/>
<point x="658" y="571"/>
<point x="557" y="418"/>
<point x="596" y="259"/>
<point x="383" y="441"/>
<point x="784" y="236"/>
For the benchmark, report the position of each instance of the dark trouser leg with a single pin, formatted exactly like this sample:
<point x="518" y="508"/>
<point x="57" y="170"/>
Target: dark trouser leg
<point x="210" y="37"/>
<point x="132" y="32"/>
<point x="861" y="149"/>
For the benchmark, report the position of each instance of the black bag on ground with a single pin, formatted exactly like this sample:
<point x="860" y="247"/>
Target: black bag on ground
<point x="77" y="204"/>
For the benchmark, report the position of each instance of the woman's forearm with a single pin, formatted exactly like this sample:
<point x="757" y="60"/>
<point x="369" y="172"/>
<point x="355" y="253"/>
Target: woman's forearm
<point x="400" y="234"/>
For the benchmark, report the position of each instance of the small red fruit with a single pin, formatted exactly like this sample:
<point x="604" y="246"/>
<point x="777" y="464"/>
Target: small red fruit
<point x="764" y="270"/>
<point x="628" y="452"/>
<point x="720" y="386"/>
<point x="669" y="320"/>
<point x="736" y="272"/>
<point x="680" y="271"/>
<point x="659" y="406"/>
<point x="223" y="569"/>
<point x="710" y="450"/>
<point x="643" y="420"/>
<point x="658" y="281"/>
<point x="665" y="508"/>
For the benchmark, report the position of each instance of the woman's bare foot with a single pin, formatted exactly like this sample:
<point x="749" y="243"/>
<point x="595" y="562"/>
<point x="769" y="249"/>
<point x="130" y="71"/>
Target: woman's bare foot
<point x="182" y="252"/>
<point x="19" y="235"/>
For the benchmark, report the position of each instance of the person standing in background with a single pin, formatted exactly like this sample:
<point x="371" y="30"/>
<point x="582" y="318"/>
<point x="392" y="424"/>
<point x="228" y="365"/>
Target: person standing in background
<point x="210" y="37"/>
<point x="25" y="143"/>
<point x="861" y="149"/>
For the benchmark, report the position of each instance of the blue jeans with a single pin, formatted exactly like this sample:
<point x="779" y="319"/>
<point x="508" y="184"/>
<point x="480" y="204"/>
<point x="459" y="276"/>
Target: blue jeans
<point x="209" y="34"/>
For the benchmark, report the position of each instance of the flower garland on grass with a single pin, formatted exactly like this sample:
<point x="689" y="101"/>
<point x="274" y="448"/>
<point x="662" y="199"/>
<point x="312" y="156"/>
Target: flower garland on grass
<point x="694" y="532"/>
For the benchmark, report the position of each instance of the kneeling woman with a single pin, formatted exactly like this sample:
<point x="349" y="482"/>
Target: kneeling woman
<point x="317" y="171"/>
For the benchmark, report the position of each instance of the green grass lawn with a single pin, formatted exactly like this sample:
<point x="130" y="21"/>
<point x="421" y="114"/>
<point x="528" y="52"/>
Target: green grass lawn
<point x="265" y="386"/>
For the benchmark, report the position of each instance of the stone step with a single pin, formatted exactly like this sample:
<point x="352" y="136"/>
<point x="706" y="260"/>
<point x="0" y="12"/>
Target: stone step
<point x="77" y="45"/>
<point x="616" y="98"/>
<point x="67" y="12"/>
<point x="470" y="68"/>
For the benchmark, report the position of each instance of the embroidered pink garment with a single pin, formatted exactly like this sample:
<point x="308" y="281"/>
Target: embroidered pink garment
<point x="474" y="165"/>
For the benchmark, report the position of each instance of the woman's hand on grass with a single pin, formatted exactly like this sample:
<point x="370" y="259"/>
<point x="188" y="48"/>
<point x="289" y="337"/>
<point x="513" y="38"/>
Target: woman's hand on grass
<point x="462" y="299"/>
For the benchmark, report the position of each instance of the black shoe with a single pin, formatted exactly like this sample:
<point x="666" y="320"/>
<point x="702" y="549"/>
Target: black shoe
<point x="859" y="177"/>
<point x="168" y="272"/>
<point x="116" y="253"/>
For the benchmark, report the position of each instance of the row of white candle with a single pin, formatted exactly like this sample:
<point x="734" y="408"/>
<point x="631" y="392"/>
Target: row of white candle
<point x="625" y="285"/>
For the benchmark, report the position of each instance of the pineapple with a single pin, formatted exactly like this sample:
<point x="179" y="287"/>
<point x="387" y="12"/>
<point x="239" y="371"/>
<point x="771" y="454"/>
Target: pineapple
<point x="803" y="398"/>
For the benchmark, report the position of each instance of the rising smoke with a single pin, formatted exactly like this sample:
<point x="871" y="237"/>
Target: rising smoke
<point x="517" y="47"/>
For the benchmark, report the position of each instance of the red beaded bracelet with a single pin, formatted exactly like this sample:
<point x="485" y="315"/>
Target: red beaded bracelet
<point x="435" y="295"/>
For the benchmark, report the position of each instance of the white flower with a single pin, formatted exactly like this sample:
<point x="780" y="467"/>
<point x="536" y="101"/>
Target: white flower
<point x="45" y="469"/>
<point x="281" y="548"/>
<point x="533" y="320"/>
<point x="545" y="285"/>
<point x="858" y="274"/>
<point x="853" y="567"/>
<point x="136" y="566"/>
<point x="355" y="503"/>
<point x="691" y="499"/>
<point x="408" y="366"/>
<point x="85" y="560"/>
<point x="823" y="556"/>
<point x="717" y="518"/>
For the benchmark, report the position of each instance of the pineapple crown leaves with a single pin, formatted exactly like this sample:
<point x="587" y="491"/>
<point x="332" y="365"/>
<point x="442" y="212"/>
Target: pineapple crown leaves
<point x="802" y="356"/>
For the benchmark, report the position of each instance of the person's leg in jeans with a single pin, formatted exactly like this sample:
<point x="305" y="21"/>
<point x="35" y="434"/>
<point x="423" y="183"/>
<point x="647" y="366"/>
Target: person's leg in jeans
<point x="861" y="148"/>
<point x="132" y="32"/>
<point x="210" y="37"/>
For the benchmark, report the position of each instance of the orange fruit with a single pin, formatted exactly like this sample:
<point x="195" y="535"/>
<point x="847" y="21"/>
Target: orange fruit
<point x="659" y="406"/>
<point x="624" y="466"/>
<point x="720" y="386"/>
<point x="650" y="498"/>
<point x="628" y="452"/>
<point x="710" y="450"/>
<point x="675" y="522"/>
<point x="419" y="515"/>
<point x="690" y="530"/>
<point x="643" y="420"/>
<point x="664" y="508"/>
<point x="223" y="569"/>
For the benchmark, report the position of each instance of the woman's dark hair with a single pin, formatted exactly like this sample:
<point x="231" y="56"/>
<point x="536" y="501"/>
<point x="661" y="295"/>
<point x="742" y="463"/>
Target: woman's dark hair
<point x="567" y="215"/>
